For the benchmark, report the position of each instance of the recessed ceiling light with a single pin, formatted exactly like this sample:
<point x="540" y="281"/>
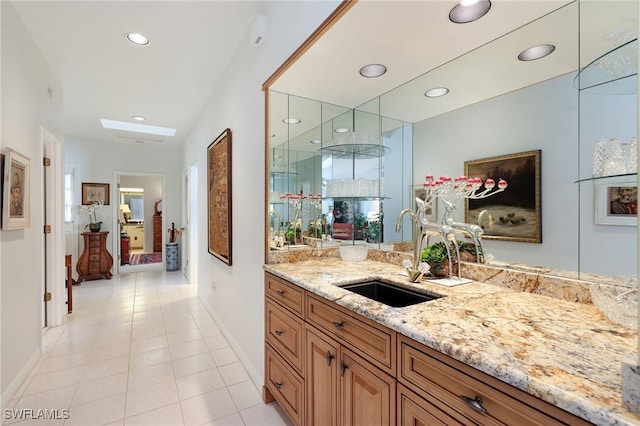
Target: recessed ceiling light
<point x="291" y="120"/>
<point x="138" y="118"/>
<point x="373" y="70"/>
<point x="342" y="130"/>
<point x="315" y="141"/>
<point x="469" y="10"/>
<point x="436" y="92"/>
<point x="138" y="128"/>
<point x="137" y="39"/>
<point x="536" y="52"/>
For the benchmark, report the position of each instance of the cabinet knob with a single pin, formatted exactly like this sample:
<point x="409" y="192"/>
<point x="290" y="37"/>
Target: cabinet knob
<point x="329" y="358"/>
<point x="278" y="385"/>
<point x="339" y="325"/>
<point x="475" y="404"/>
<point x="278" y="332"/>
<point x="280" y="292"/>
<point x="343" y="367"/>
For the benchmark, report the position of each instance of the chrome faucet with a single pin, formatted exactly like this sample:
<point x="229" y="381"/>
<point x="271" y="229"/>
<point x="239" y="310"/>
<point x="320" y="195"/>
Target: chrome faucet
<point x="416" y="238"/>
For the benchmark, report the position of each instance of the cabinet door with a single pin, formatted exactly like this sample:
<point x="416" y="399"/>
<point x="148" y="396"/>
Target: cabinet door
<point x="367" y="394"/>
<point x="321" y="379"/>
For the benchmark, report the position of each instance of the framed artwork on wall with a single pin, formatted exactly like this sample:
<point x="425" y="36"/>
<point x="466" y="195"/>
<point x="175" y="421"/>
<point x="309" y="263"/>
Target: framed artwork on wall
<point x="616" y="204"/>
<point x="219" y="196"/>
<point x="16" y="203"/>
<point x="515" y="213"/>
<point x="95" y="192"/>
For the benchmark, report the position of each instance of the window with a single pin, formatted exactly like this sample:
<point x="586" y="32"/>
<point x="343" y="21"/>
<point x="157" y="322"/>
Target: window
<point x="69" y="196"/>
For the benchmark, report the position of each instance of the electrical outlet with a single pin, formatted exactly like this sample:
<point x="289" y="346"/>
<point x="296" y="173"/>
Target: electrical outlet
<point x="213" y="285"/>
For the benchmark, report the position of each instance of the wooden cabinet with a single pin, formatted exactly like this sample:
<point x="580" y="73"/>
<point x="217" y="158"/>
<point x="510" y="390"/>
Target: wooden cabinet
<point x="95" y="261"/>
<point x="136" y="235"/>
<point x="157" y="233"/>
<point x="342" y="388"/>
<point x="284" y="342"/>
<point x="125" y="254"/>
<point x="468" y="395"/>
<point x="327" y="365"/>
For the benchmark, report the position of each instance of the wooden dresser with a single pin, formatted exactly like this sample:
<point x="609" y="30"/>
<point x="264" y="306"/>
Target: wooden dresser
<point x="157" y="233"/>
<point x="95" y="261"/>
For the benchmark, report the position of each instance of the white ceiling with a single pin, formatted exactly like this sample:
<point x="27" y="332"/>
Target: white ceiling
<point x="105" y="76"/>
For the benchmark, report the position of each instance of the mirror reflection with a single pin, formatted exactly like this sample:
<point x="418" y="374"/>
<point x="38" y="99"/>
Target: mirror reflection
<point x="493" y="108"/>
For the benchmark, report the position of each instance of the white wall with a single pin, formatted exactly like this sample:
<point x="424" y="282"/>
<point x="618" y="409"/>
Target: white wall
<point x="100" y="161"/>
<point x="237" y="301"/>
<point x="26" y="105"/>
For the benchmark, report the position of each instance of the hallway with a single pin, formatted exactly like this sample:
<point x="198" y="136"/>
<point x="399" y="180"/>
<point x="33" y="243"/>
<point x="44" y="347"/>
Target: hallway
<point x="140" y="349"/>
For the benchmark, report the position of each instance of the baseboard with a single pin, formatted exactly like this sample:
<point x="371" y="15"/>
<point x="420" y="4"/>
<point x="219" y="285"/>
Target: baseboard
<point x="256" y="378"/>
<point x="13" y="387"/>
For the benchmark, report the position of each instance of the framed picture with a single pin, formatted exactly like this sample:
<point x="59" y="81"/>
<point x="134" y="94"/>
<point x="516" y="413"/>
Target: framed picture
<point x="514" y="214"/>
<point x="432" y="212"/>
<point x="219" y="196"/>
<point x="616" y="204"/>
<point x="16" y="197"/>
<point x="92" y="192"/>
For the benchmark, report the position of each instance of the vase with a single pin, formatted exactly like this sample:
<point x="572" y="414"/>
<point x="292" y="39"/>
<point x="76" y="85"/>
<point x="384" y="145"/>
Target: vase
<point x="95" y="227"/>
<point x="171" y="256"/>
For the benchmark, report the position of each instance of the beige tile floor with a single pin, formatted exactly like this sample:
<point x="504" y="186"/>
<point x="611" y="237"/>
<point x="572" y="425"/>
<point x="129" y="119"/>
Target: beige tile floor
<point x="141" y="349"/>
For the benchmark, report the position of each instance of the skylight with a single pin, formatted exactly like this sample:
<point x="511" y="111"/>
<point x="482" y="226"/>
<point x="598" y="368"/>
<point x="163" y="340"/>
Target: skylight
<point x="138" y="128"/>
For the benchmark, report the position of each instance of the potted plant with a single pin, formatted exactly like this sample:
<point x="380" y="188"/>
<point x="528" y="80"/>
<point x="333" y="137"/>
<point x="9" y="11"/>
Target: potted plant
<point x="436" y="256"/>
<point x="94" y="225"/>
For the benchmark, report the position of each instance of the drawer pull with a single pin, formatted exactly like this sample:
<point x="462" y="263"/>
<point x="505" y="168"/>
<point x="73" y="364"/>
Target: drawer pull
<point x="329" y="358"/>
<point x="343" y="367"/>
<point x="280" y="292"/>
<point x="278" y="385"/>
<point x="475" y="404"/>
<point x="278" y="332"/>
<point x="339" y="325"/>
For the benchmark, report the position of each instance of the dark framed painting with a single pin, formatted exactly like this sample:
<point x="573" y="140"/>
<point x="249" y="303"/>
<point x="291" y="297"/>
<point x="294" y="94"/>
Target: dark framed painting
<point x="16" y="206"/>
<point x="219" y="196"/>
<point x="513" y="214"/>
<point x="616" y="204"/>
<point x="95" y="193"/>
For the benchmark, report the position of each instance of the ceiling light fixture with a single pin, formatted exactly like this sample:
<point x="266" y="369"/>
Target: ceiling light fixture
<point x="137" y="128"/>
<point x="137" y="39"/>
<point x="373" y="70"/>
<point x="436" y="92"/>
<point x="342" y="130"/>
<point x="138" y="118"/>
<point x="536" y="52"/>
<point x="469" y="11"/>
<point x="291" y="120"/>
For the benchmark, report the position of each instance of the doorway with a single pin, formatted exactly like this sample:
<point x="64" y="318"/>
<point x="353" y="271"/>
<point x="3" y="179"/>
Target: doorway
<point x="138" y="213"/>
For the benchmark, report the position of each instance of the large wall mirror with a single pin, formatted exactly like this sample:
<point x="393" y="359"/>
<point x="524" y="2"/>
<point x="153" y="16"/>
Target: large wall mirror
<point x="496" y="105"/>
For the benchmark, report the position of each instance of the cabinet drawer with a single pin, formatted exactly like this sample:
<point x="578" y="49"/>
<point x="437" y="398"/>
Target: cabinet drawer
<point x="285" y="385"/>
<point x="285" y="333"/>
<point x="369" y="339"/>
<point x="288" y="295"/>
<point x="424" y="370"/>
<point x="416" y="411"/>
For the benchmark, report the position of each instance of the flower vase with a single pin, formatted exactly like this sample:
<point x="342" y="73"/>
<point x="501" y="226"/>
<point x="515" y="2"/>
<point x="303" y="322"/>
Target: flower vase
<point x="95" y="227"/>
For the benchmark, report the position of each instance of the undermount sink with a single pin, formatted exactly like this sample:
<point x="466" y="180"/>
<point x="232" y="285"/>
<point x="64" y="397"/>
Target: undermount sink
<point x="389" y="294"/>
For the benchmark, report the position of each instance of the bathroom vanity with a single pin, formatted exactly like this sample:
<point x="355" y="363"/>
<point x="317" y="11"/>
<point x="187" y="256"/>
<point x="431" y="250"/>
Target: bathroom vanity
<point x="482" y="353"/>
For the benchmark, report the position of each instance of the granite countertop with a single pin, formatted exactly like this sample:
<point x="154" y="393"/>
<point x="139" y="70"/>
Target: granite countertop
<point x="568" y="354"/>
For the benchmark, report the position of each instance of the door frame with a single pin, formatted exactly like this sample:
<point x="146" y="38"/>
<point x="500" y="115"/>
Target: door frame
<point x="53" y="280"/>
<point x="115" y="241"/>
